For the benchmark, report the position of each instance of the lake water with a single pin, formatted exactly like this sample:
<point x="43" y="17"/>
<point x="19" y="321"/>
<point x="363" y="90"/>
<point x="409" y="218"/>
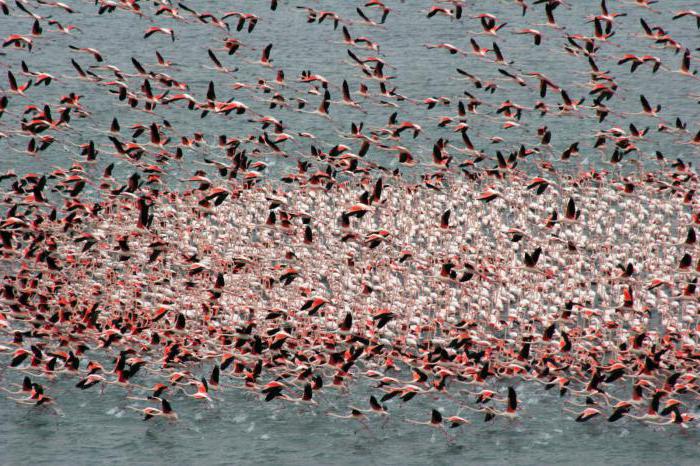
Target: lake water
<point x="239" y="429"/>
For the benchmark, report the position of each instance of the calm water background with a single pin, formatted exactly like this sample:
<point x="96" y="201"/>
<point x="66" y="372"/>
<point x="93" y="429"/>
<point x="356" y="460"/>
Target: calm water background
<point x="243" y="430"/>
<point x="239" y="429"/>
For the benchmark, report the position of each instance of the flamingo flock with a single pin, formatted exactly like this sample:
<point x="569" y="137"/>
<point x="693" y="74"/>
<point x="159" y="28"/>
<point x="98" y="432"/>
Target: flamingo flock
<point x="341" y="238"/>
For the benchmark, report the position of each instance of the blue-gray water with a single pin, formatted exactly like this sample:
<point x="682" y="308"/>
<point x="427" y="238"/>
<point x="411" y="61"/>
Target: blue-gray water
<point x="242" y="430"/>
<point x="94" y="428"/>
